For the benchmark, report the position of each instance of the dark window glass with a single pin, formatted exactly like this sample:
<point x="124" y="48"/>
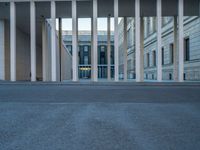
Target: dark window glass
<point x="187" y="49"/>
<point x="171" y="53"/>
<point x="154" y="58"/>
<point x="163" y="56"/>
<point x="147" y="59"/>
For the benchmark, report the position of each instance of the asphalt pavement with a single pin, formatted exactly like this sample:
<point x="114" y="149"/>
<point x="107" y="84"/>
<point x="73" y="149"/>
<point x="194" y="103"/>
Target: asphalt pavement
<point x="99" y="117"/>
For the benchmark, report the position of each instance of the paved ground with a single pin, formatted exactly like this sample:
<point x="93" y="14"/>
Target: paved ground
<point x="99" y="117"/>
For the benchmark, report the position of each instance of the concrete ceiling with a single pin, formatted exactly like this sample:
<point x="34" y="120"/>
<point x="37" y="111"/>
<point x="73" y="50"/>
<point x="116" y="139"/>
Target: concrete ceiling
<point x="84" y="9"/>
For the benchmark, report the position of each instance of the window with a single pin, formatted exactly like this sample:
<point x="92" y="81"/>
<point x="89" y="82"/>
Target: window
<point x="170" y="76"/>
<point x="85" y="48"/>
<point x="163" y="56"/>
<point x="102" y="49"/>
<point x="85" y="60"/>
<point x="147" y="60"/>
<point x="102" y="59"/>
<point x="171" y="51"/>
<point x="154" y="58"/>
<point x="187" y="49"/>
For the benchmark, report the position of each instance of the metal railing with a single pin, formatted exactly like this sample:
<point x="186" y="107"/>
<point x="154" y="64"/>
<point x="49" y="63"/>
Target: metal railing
<point x="85" y="71"/>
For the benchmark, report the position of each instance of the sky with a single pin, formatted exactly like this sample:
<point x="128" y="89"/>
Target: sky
<point x="85" y="24"/>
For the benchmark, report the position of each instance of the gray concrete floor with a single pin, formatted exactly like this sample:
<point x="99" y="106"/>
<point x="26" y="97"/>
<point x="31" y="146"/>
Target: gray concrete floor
<point x="99" y="117"/>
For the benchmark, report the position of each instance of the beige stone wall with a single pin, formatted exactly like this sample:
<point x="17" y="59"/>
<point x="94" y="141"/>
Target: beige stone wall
<point x="22" y="55"/>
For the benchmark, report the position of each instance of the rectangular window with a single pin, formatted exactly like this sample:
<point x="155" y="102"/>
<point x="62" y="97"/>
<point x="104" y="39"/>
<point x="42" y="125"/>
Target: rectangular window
<point x="154" y="58"/>
<point x="85" y="60"/>
<point x="102" y="48"/>
<point x="85" y="48"/>
<point x="171" y="53"/>
<point x="187" y="49"/>
<point x="147" y="59"/>
<point x="163" y="56"/>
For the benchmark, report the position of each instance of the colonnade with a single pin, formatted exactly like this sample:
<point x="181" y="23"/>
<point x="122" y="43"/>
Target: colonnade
<point x="139" y="42"/>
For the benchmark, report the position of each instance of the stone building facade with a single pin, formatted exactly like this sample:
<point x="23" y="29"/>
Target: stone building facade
<point x="84" y="53"/>
<point x="191" y="48"/>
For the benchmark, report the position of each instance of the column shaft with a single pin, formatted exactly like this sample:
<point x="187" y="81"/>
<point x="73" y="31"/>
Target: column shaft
<point x="33" y="40"/>
<point x="125" y="49"/>
<point x="175" y="53"/>
<point x="108" y="49"/>
<point x="44" y="51"/>
<point x="74" y="42"/>
<point x="142" y="49"/>
<point x="159" y="41"/>
<point x="95" y="55"/>
<point x="53" y="42"/>
<point x="138" y="43"/>
<point x="12" y="41"/>
<point x="181" y="40"/>
<point x="116" y="40"/>
<point x="91" y="56"/>
<point x="2" y="50"/>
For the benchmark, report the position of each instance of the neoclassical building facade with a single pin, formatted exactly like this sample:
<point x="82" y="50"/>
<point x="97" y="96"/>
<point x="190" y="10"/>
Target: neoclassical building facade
<point x="191" y="48"/>
<point x="84" y="53"/>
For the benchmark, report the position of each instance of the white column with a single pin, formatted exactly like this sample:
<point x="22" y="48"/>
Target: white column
<point x="2" y="50"/>
<point x="159" y="40"/>
<point x="108" y="49"/>
<point x="12" y="41"/>
<point x="175" y="53"/>
<point x="125" y="49"/>
<point x="53" y="42"/>
<point x="74" y="42"/>
<point x="91" y="55"/>
<point x="142" y="48"/>
<point x="33" y="40"/>
<point x="94" y="37"/>
<point x="138" y="43"/>
<point x="181" y="40"/>
<point x="44" y="51"/>
<point x="116" y="41"/>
